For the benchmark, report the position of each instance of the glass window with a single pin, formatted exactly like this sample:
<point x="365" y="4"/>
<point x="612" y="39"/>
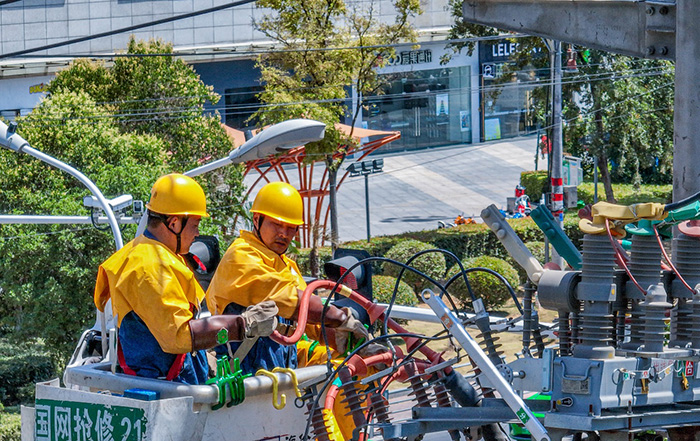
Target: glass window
<point x="241" y="103"/>
<point x="506" y="107"/>
<point x="430" y="108"/>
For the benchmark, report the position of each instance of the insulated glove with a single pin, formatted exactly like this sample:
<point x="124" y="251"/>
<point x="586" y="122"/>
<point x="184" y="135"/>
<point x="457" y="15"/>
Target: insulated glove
<point x="350" y="325"/>
<point x="372" y="349"/>
<point x="260" y="319"/>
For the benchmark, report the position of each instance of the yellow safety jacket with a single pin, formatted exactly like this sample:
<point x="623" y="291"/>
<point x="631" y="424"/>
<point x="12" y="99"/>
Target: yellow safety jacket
<point x="146" y="277"/>
<point x="250" y="273"/>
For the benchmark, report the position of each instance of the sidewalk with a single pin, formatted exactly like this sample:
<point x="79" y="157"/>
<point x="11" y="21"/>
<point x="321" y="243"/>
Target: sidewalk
<point x="417" y="189"/>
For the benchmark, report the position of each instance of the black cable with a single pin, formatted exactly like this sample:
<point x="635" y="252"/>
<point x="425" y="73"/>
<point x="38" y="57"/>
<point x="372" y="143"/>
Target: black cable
<point x="94" y="224"/>
<point x="682" y="202"/>
<point x="348" y="271"/>
<point x="494" y="273"/>
<point x="127" y="29"/>
<point x="444" y="289"/>
<point x="385" y="334"/>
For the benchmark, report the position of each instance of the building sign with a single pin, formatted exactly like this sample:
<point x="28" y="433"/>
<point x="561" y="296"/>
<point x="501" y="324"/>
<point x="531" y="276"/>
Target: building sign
<point x="492" y="70"/>
<point x="410" y="57"/>
<point x="494" y="55"/>
<point x="38" y="88"/>
<point x="73" y="421"/>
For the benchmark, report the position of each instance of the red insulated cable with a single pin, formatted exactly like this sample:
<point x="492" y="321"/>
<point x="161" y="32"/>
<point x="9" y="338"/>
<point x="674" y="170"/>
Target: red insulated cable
<point x="374" y="311"/>
<point x="303" y="316"/>
<point x="670" y="263"/>
<point x="621" y="260"/>
<point x="332" y="393"/>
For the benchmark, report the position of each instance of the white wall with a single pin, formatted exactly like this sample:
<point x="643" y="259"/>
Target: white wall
<point x="15" y="93"/>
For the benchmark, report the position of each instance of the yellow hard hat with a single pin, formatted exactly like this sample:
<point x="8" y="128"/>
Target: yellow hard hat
<point x="280" y="201"/>
<point x="177" y="194"/>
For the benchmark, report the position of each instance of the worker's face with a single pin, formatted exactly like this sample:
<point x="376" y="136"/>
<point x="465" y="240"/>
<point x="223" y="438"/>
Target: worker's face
<point x="189" y="233"/>
<point x="276" y="235"/>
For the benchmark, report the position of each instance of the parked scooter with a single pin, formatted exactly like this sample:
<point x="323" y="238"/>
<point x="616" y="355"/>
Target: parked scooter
<point x="459" y="220"/>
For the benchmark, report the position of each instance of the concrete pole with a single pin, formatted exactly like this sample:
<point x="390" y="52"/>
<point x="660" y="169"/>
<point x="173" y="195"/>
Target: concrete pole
<point x="686" y="139"/>
<point x="557" y="206"/>
<point x="367" y="205"/>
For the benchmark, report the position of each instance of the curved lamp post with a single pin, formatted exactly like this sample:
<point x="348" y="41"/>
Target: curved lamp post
<point x="9" y="139"/>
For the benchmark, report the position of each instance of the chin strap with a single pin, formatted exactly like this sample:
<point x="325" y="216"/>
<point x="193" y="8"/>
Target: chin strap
<point x="177" y="234"/>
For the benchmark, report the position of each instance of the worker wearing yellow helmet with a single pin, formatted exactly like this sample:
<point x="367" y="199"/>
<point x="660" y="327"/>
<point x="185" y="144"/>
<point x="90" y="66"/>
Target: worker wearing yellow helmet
<point x="156" y="298"/>
<point x="255" y="269"/>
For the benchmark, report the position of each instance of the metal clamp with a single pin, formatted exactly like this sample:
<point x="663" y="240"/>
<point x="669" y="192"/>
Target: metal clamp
<point x="621" y="375"/>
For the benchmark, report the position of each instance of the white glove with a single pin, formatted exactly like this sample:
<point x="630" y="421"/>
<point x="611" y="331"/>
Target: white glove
<point x="260" y="319"/>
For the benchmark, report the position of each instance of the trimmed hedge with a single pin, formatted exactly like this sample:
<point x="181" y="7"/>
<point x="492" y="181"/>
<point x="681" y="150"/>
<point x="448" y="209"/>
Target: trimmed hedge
<point x="626" y="194"/>
<point x="383" y="288"/>
<point x="464" y="241"/>
<point x="10" y="426"/>
<point x="484" y="285"/>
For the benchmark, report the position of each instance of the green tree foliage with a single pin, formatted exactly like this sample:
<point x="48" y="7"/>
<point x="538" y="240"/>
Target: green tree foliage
<point x="47" y="272"/>
<point x="22" y="365"/>
<point x="484" y="285"/>
<point x="617" y="109"/>
<point x="461" y="30"/>
<point x="164" y="97"/>
<point x="122" y="127"/>
<point x="623" y="115"/>
<point x="432" y="264"/>
<point x="328" y="47"/>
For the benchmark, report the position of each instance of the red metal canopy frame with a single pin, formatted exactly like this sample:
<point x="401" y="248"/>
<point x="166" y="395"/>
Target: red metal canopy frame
<point x="314" y="198"/>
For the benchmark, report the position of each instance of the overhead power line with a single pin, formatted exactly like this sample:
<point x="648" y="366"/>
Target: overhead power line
<point x="224" y="51"/>
<point x="127" y="29"/>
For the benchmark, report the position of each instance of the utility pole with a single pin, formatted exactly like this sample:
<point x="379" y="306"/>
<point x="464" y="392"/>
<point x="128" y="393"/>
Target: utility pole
<point x="557" y="202"/>
<point x="686" y="138"/>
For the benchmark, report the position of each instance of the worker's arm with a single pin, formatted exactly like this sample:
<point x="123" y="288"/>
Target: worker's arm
<point x="341" y="321"/>
<point x="256" y="321"/>
<point x="334" y="316"/>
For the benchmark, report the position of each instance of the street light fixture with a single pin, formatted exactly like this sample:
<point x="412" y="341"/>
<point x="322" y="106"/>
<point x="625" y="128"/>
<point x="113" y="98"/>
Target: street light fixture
<point x="275" y="139"/>
<point x="366" y="168"/>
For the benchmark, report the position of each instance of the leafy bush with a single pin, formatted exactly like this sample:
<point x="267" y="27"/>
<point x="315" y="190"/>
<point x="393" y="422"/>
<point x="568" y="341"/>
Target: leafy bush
<point x="303" y="259"/>
<point x="383" y="288"/>
<point x="9" y="426"/>
<point x="432" y="264"/>
<point x="22" y="365"/>
<point x="534" y="183"/>
<point x="484" y="285"/>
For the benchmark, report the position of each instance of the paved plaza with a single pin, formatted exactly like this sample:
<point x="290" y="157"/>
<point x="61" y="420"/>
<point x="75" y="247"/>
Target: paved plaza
<point x="418" y="189"/>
